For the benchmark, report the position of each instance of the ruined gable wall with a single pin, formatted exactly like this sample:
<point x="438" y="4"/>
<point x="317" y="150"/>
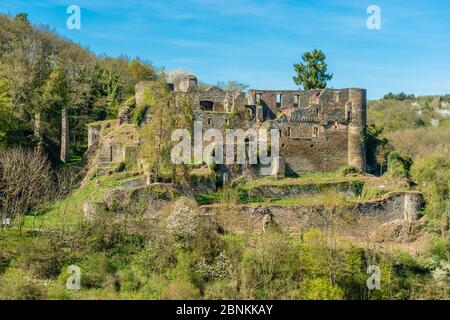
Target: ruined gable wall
<point x="337" y="139"/>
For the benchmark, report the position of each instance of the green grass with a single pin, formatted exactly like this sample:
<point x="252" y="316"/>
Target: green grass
<point x="69" y="210"/>
<point x="307" y="179"/>
<point x="74" y="162"/>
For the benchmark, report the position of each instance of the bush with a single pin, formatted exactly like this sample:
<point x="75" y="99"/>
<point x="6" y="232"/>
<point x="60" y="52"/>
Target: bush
<point x="17" y="284"/>
<point x="400" y="96"/>
<point x="270" y="267"/>
<point x="179" y="290"/>
<point x="347" y="170"/>
<point x="183" y="223"/>
<point x="97" y="272"/>
<point x="157" y="256"/>
<point x="399" y="164"/>
<point x="222" y="290"/>
<point x="319" y="289"/>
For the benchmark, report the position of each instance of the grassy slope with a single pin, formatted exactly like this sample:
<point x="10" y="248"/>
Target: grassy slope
<point x="69" y="210"/>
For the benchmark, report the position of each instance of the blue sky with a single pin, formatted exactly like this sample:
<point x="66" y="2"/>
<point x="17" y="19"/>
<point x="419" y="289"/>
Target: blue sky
<point x="256" y="42"/>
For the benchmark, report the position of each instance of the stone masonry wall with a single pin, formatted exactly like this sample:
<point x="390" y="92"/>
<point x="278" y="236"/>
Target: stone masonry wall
<point x="401" y="206"/>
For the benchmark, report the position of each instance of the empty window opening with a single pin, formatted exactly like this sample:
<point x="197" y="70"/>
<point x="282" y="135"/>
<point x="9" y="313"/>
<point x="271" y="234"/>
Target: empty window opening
<point x="316" y="112"/>
<point x="336" y="96"/>
<point x="289" y="131"/>
<point x="209" y="121"/>
<point x="279" y="97"/>
<point x="315" y="132"/>
<point x="348" y="110"/>
<point x="349" y="115"/>
<point x="296" y="100"/>
<point x="258" y="99"/>
<point x="207" y="105"/>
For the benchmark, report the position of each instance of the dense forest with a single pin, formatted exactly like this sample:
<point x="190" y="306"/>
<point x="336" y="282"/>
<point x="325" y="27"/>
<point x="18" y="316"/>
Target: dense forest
<point x="43" y="76"/>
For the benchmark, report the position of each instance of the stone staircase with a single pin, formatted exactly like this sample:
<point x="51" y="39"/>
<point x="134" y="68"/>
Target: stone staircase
<point x="104" y="158"/>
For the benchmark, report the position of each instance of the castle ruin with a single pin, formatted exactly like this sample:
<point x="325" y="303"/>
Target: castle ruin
<point x="320" y="130"/>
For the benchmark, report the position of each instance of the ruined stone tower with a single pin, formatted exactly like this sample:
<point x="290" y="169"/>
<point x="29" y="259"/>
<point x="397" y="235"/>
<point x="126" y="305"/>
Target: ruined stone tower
<point x="356" y="114"/>
<point x="65" y="139"/>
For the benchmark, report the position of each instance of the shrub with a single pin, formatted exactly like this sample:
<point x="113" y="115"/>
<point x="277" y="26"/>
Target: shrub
<point x="183" y="223"/>
<point x="17" y="284"/>
<point x="399" y="164"/>
<point x="347" y="170"/>
<point x="222" y="290"/>
<point x="139" y="114"/>
<point x="179" y="290"/>
<point x="120" y="167"/>
<point x="157" y="256"/>
<point x="97" y="272"/>
<point x="319" y="289"/>
<point x="270" y="267"/>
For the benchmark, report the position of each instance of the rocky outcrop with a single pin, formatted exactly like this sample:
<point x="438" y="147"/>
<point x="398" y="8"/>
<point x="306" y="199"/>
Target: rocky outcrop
<point x="355" y="219"/>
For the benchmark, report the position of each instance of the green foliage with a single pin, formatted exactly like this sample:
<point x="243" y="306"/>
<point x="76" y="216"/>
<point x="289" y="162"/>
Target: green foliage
<point x="17" y="284"/>
<point x="347" y="170"/>
<point x="312" y="73"/>
<point x="319" y="289"/>
<point x="139" y="115"/>
<point x="179" y="290"/>
<point x="60" y="74"/>
<point x="399" y="164"/>
<point x="141" y="71"/>
<point x="432" y="174"/>
<point x="120" y="167"/>
<point x="10" y="125"/>
<point x="97" y="271"/>
<point x="400" y="96"/>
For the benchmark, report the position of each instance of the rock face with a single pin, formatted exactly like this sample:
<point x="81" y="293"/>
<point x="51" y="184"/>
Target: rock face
<point x="401" y="206"/>
<point x="345" y="188"/>
<point x="145" y="200"/>
<point x="94" y="132"/>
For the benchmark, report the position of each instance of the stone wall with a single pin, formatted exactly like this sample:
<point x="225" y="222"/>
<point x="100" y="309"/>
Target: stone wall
<point x="400" y="206"/>
<point x="344" y="188"/>
<point x="94" y="133"/>
<point x="321" y="130"/>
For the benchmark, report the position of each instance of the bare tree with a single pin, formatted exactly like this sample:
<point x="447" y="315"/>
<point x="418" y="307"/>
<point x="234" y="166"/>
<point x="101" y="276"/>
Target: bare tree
<point x="25" y="182"/>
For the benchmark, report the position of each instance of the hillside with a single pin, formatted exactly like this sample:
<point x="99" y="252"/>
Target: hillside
<point x="138" y="226"/>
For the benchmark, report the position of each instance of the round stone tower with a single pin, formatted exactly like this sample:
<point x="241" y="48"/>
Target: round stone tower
<point x="356" y="117"/>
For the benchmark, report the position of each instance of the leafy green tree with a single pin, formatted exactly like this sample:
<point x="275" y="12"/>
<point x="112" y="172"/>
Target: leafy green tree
<point x="312" y="72"/>
<point x="399" y="164"/>
<point x="141" y="71"/>
<point x="9" y="124"/>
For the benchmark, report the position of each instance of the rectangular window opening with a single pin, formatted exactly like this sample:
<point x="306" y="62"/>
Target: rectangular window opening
<point x="258" y="99"/>
<point x="279" y="97"/>
<point x="315" y="132"/>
